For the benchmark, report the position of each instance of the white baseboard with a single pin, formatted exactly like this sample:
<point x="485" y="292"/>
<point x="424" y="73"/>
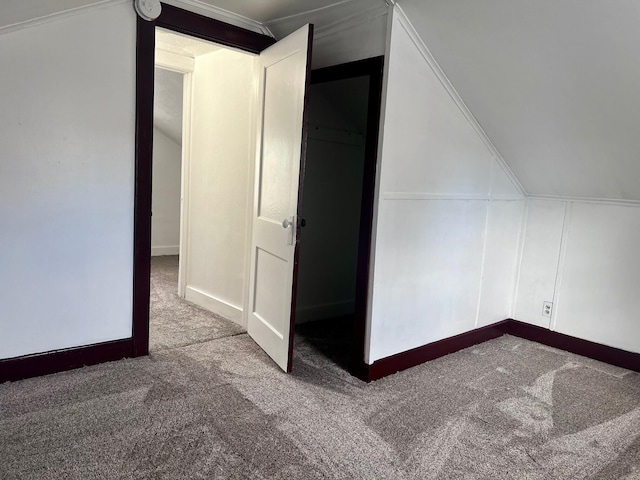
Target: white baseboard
<point x="213" y="304"/>
<point x="321" y="312"/>
<point x="165" y="250"/>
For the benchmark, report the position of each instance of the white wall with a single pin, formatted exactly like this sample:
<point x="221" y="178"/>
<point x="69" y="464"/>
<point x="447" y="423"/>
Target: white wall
<point x="220" y="175"/>
<point x="539" y="260"/>
<point x="331" y="206"/>
<point x="66" y="182"/>
<point x="586" y="261"/>
<point x="165" y="205"/>
<point x="448" y="218"/>
<point x="344" y="32"/>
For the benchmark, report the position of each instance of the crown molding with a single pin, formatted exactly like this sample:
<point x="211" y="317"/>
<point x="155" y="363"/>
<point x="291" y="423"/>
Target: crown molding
<point x="308" y="12"/>
<point x="52" y="17"/>
<point x="350" y="22"/>
<point x="349" y="14"/>
<point x="197" y="6"/>
<point x="221" y="14"/>
<point x="415" y="37"/>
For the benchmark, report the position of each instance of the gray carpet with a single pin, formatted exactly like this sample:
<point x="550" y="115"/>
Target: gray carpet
<point x="506" y="409"/>
<point x="174" y="322"/>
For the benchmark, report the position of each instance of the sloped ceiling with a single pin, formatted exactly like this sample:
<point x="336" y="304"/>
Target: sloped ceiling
<point x="554" y="83"/>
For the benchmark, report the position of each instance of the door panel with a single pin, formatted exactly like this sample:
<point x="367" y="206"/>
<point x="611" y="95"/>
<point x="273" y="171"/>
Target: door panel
<point x="284" y="78"/>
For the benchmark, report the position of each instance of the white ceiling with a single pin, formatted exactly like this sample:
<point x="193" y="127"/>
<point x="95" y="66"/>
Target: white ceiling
<point x="554" y="83"/>
<point x="264" y="11"/>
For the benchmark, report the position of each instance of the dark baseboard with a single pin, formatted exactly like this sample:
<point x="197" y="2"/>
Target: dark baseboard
<point x="18" y="368"/>
<point x="596" y="351"/>
<point x="411" y="358"/>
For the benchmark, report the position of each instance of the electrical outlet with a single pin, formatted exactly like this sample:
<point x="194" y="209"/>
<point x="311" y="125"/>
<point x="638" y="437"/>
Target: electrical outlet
<point x="546" y="309"/>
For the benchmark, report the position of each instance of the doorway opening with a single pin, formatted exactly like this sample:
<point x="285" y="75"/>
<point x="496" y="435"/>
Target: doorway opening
<point x="333" y="278"/>
<point x="195" y="279"/>
<point x="202" y="172"/>
<point x="194" y="253"/>
<point x="276" y="129"/>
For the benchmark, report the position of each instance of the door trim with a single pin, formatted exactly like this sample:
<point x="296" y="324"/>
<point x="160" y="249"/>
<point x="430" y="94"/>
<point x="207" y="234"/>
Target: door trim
<point x="199" y="26"/>
<point x="372" y="68"/>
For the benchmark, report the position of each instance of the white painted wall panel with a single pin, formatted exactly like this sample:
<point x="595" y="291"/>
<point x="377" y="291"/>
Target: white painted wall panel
<point x="427" y="274"/>
<point x="598" y="294"/>
<point x="66" y="182"/>
<point x="539" y="262"/>
<point x="500" y="260"/>
<point x="429" y="146"/>
<point x="597" y="270"/>
<point x="165" y="222"/>
<point x="437" y="177"/>
<point x="219" y="176"/>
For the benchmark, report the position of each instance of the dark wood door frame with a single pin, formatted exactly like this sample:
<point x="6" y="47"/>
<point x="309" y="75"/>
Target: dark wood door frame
<point x="198" y="26"/>
<point x="373" y="69"/>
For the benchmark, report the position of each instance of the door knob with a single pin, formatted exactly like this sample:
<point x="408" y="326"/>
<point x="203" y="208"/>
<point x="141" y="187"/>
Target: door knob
<point x="286" y="223"/>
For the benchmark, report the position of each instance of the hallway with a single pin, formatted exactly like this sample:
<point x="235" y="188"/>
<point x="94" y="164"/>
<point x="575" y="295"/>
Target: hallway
<point x="175" y="322"/>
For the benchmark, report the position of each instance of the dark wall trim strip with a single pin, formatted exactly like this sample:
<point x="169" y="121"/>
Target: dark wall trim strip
<point x="206" y="28"/>
<point x="12" y="369"/>
<point x="411" y="358"/>
<point x="596" y="351"/>
<point x="431" y="351"/>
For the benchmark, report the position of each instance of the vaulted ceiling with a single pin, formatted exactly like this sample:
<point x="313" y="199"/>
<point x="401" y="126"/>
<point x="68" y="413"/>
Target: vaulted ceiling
<point x="554" y="83"/>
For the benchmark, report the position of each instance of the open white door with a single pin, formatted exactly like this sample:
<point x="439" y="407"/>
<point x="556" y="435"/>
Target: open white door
<point x="284" y="77"/>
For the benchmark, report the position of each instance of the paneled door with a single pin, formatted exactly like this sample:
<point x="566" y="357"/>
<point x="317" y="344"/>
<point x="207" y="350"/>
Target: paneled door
<point x="284" y="74"/>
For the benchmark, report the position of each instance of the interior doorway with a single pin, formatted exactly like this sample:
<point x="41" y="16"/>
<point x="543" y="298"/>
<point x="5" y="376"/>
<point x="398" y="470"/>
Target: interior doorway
<point x="224" y="36"/>
<point x="283" y="73"/>
<point x="332" y="289"/>
<point x="192" y="253"/>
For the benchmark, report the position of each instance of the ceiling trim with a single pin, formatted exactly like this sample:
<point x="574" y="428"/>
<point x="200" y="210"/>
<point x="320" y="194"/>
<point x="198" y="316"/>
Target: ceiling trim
<point x="32" y="22"/>
<point x="350" y="13"/>
<point x="214" y="12"/>
<point x="350" y="22"/>
<point x="307" y="13"/>
<point x="221" y="13"/>
<point x="603" y="201"/>
<point x="446" y="83"/>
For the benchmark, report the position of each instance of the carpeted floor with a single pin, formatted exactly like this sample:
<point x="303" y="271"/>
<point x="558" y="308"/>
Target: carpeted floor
<point x="506" y="409"/>
<point x="174" y="322"/>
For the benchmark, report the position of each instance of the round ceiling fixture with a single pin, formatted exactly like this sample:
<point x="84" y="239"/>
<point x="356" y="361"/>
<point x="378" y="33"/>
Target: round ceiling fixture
<point x="148" y="9"/>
